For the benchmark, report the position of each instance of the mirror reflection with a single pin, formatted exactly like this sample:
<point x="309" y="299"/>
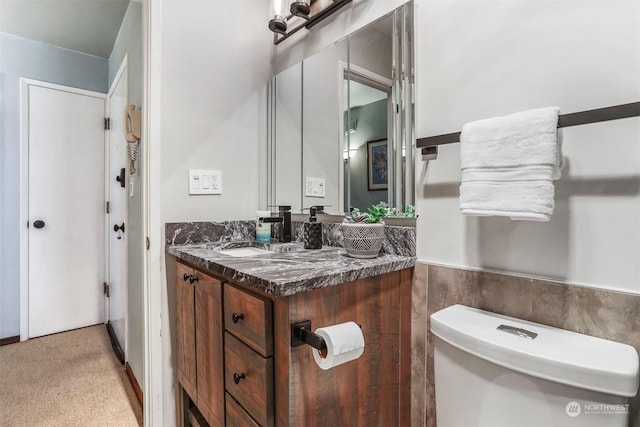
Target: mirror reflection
<point x="322" y="130"/>
<point x="341" y="129"/>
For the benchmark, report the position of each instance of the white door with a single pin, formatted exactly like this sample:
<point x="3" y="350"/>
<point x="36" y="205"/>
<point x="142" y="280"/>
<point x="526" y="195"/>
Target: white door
<point x="118" y="188"/>
<point x="65" y="137"/>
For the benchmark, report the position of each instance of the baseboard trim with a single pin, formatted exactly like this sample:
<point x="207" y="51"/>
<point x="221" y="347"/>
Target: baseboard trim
<point x="134" y="383"/>
<point x="114" y="343"/>
<point x="9" y="340"/>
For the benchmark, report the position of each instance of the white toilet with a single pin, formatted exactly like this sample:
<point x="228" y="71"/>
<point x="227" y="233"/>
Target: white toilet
<point x="498" y="371"/>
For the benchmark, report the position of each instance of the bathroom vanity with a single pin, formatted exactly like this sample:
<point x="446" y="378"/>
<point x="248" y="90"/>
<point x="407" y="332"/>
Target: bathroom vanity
<point x="234" y="357"/>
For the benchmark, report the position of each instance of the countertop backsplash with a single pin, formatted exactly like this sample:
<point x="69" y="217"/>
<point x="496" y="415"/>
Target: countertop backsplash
<point x="399" y="240"/>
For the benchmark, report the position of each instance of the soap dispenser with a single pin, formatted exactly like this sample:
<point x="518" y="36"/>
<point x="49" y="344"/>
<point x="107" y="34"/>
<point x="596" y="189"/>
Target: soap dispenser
<point x="312" y="231"/>
<point x="263" y="229"/>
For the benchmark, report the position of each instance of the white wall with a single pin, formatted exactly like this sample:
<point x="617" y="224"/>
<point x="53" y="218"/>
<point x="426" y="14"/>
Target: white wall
<point x="21" y="57"/>
<point x="215" y="67"/>
<point x="215" y="61"/>
<point x="477" y="59"/>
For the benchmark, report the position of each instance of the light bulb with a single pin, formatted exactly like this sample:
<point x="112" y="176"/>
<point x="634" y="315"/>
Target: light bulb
<point x="300" y="7"/>
<point x="278" y="22"/>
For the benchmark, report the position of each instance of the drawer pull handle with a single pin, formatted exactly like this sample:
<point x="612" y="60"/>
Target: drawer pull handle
<point x="237" y="377"/>
<point x="236" y="318"/>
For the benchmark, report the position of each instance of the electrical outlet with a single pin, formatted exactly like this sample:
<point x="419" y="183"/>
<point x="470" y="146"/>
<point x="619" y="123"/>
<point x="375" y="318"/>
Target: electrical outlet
<point x="205" y="181"/>
<point x="216" y="182"/>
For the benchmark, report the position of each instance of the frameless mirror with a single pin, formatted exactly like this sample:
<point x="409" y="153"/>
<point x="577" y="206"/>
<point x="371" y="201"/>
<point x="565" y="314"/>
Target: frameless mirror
<point x="322" y="130"/>
<point x="341" y="122"/>
<point x="369" y="113"/>
<point x="286" y="137"/>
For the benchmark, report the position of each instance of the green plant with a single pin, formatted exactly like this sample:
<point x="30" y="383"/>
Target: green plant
<point x="377" y="213"/>
<point x="409" y="211"/>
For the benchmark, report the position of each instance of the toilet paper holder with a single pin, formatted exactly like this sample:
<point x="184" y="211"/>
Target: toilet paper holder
<point x="301" y="333"/>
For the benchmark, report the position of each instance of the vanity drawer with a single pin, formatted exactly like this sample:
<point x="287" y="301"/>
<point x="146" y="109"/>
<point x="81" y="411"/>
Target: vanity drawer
<point x="236" y="415"/>
<point x="249" y="379"/>
<point x="249" y="317"/>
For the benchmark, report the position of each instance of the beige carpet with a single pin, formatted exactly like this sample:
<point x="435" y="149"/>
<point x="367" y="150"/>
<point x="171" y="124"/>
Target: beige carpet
<point x="67" y="379"/>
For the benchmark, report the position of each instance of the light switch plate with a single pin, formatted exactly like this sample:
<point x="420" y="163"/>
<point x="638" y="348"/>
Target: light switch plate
<point x="205" y="181"/>
<point x="314" y="187"/>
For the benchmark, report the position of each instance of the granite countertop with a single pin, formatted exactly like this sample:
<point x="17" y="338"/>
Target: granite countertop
<point x="290" y="269"/>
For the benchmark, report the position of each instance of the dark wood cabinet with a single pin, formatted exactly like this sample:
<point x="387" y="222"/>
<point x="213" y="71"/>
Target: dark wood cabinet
<point x="249" y="379"/>
<point x="250" y="318"/>
<point x="199" y="343"/>
<point x="185" y="330"/>
<point x="247" y="373"/>
<point x="209" y="348"/>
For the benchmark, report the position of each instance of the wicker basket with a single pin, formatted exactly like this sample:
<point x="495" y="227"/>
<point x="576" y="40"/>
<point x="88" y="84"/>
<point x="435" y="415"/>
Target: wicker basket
<point x="363" y="240"/>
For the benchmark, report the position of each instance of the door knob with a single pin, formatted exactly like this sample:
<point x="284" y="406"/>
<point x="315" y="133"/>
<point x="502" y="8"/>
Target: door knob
<point x="38" y="224"/>
<point x="116" y="227"/>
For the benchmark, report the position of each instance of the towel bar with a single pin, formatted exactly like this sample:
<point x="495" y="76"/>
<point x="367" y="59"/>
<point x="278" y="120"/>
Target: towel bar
<point x="564" y="120"/>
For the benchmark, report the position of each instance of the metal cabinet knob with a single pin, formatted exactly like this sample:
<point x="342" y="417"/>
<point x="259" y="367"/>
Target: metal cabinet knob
<point x="237" y="317"/>
<point x="38" y="224"/>
<point x="237" y="377"/>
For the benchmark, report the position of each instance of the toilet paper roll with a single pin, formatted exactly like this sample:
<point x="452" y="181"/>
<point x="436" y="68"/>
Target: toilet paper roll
<point x="345" y="342"/>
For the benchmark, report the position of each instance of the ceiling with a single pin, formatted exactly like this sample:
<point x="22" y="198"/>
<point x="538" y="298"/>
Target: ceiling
<point x="87" y="26"/>
<point x="362" y="94"/>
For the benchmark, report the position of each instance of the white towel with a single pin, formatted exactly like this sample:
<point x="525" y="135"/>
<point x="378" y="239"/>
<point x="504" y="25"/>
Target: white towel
<point x="509" y="164"/>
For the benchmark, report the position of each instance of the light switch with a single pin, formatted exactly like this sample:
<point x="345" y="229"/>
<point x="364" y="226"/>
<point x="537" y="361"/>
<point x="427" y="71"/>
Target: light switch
<point x="205" y="181"/>
<point x="195" y="182"/>
<point x="314" y="187"/>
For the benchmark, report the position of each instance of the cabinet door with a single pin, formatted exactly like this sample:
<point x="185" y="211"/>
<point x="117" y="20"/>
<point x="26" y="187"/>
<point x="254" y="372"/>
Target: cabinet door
<point x="250" y="379"/>
<point x="209" y="349"/>
<point x="236" y="416"/>
<point x="185" y="330"/>
<point x="249" y="318"/>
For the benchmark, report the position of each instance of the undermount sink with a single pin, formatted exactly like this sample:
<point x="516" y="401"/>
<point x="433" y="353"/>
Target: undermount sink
<point x="244" y="252"/>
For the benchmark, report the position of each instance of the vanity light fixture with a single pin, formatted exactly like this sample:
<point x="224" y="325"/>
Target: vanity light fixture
<point x="301" y="14"/>
<point x="278" y="24"/>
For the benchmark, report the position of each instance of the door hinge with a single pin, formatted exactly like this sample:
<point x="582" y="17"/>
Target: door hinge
<point x="108" y="207"/>
<point x="106" y="289"/>
<point x="148" y="243"/>
<point x="107" y="123"/>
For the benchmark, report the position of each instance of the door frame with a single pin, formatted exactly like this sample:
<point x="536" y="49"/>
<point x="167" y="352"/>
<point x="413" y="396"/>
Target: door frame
<point x="157" y="373"/>
<point x="107" y="232"/>
<point x="24" y="188"/>
<point x="376" y="81"/>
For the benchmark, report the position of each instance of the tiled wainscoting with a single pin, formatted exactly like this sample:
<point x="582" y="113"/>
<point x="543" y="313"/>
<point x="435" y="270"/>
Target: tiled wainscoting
<point x="601" y="313"/>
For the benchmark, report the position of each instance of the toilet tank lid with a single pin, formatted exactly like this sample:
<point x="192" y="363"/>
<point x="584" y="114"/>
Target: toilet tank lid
<point x="554" y="354"/>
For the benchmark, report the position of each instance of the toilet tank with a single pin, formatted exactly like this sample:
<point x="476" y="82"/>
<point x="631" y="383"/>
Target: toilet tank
<point x="498" y="371"/>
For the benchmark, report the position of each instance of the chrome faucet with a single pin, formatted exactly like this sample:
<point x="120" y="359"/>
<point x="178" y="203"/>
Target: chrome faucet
<point x="284" y="217"/>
